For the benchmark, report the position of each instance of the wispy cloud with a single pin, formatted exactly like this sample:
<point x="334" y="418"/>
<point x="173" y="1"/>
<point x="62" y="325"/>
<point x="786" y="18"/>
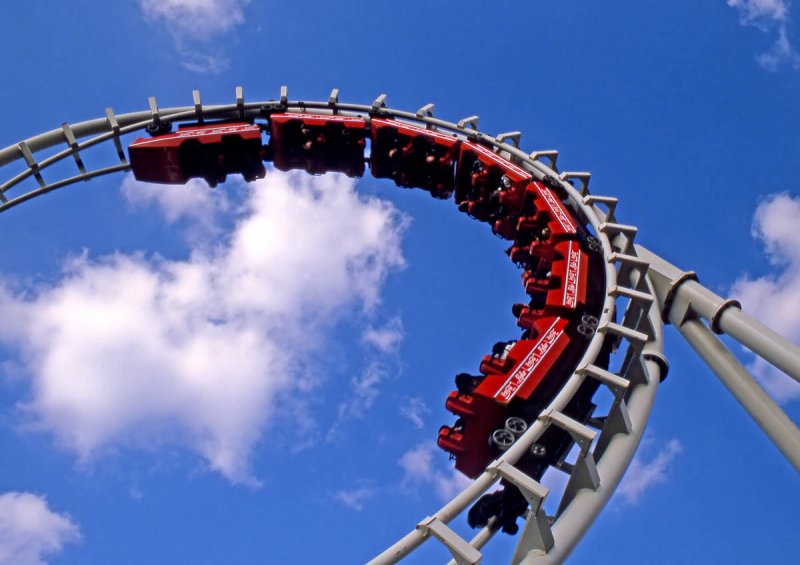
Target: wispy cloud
<point x="364" y="391"/>
<point x="202" y="63"/>
<point x="387" y="338"/>
<point x="415" y="409"/>
<point x="366" y="386"/>
<point x="775" y="298"/>
<point x="761" y="12"/>
<point x="355" y="498"/>
<point x="30" y="531"/>
<point x="194" y="24"/>
<point x="645" y="473"/>
<point x="137" y="352"/>
<point x="773" y="17"/>
<point x="194" y="205"/>
<point x="196" y="17"/>
<point x="419" y="470"/>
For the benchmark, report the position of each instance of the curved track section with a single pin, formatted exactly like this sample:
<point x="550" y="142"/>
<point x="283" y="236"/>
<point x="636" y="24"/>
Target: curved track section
<point x="592" y="322"/>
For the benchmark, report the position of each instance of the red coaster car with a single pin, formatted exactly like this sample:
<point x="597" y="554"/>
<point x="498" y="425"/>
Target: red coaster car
<point x="210" y="151"/>
<point x="468" y="440"/>
<point x="484" y="180"/>
<point x="562" y="287"/>
<point x="518" y="384"/>
<point x="413" y="157"/>
<point x="536" y="212"/>
<point x="317" y="143"/>
<point x="560" y="222"/>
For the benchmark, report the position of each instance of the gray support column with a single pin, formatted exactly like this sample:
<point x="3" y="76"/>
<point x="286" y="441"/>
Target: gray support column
<point x="680" y="295"/>
<point x="735" y="377"/>
<point x="761" y="340"/>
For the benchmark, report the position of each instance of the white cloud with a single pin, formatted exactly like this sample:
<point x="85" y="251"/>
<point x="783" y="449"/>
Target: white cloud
<point x="135" y="351"/>
<point x="364" y="391"/>
<point x="136" y="494"/>
<point x="365" y="387"/>
<point x="752" y="12"/>
<point x="385" y="339"/>
<point x="769" y="16"/>
<point x="419" y="470"/>
<point x="194" y="201"/>
<point x="775" y="299"/>
<point x="781" y="52"/>
<point x="30" y="531"/>
<point x="202" y="63"/>
<point x="195" y="26"/>
<point x="355" y="498"/>
<point x="196" y="17"/>
<point x="644" y="474"/>
<point x="415" y="409"/>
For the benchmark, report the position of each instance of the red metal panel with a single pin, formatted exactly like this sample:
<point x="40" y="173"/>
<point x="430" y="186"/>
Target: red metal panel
<point x="561" y="220"/>
<point x="468" y="442"/>
<point x="532" y="368"/>
<point x="211" y="151"/>
<point x="318" y="120"/>
<point x="491" y="159"/>
<point x="482" y="177"/>
<point x="318" y="143"/>
<point x="571" y="270"/>
<point x="413" y="156"/>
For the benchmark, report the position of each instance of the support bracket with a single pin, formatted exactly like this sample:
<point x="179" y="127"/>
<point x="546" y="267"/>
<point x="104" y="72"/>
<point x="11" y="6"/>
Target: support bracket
<point x="463" y="553"/>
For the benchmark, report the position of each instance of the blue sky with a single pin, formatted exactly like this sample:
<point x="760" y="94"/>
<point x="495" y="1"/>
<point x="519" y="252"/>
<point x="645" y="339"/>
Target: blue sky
<point x="264" y="368"/>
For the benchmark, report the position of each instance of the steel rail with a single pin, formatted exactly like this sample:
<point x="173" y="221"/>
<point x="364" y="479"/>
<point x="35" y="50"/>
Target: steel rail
<point x="135" y="121"/>
<point x="615" y="242"/>
<point x="726" y="317"/>
<point x="573" y="523"/>
<point x="766" y="413"/>
<point x="685" y="302"/>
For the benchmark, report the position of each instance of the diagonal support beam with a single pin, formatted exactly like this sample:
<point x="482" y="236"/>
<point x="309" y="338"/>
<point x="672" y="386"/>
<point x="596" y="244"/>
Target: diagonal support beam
<point x="463" y="553"/>
<point x="684" y="301"/>
<point x="31" y="162"/>
<point x="536" y="533"/>
<point x="618" y="420"/>
<point x="584" y="471"/>
<point x="610" y="202"/>
<point x="549" y="154"/>
<point x="681" y="296"/>
<point x="621" y="235"/>
<point x="775" y="423"/>
<point x="582" y="178"/>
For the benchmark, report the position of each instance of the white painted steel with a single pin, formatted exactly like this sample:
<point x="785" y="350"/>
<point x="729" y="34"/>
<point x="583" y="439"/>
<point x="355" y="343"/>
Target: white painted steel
<point x="766" y="413"/>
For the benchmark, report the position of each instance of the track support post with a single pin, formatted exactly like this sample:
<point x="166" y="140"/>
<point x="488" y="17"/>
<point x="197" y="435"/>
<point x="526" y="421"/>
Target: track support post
<point x="684" y="302"/>
<point x="463" y="553"/>
<point x="775" y="423"/>
<point x="584" y="471"/>
<point x="536" y="533"/>
<point x="618" y="420"/>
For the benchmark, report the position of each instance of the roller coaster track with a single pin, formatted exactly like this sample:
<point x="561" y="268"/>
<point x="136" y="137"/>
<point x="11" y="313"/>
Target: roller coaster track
<point x="642" y="293"/>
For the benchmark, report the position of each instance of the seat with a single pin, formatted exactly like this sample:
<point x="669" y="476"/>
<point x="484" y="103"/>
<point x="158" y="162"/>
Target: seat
<point x="210" y="151"/>
<point x="413" y="157"/>
<point x="317" y="143"/>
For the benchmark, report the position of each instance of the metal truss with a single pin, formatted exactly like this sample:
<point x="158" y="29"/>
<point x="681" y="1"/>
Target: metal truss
<point x="643" y="291"/>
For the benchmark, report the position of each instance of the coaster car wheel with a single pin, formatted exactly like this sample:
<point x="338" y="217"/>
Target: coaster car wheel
<point x="502" y="439"/>
<point x="516" y="425"/>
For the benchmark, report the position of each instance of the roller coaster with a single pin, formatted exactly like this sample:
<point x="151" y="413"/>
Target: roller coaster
<point x="596" y="299"/>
